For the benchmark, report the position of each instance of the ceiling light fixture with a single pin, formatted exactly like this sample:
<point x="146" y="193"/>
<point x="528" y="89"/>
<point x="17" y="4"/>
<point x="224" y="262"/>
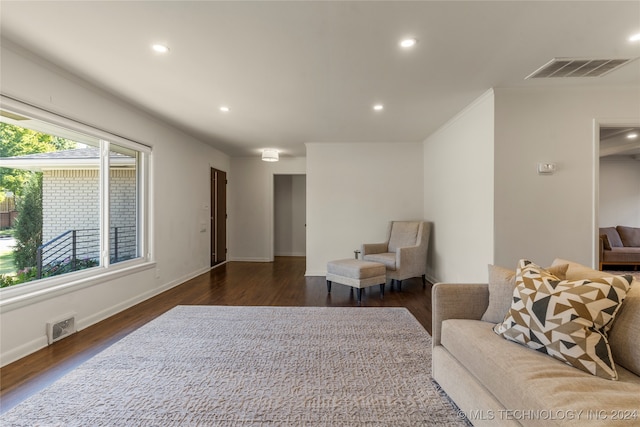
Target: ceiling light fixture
<point x="270" y="155"/>
<point x="634" y="38"/>
<point x="225" y="109"/>
<point x="160" y="48"/>
<point x="632" y="135"/>
<point x="407" y="43"/>
<point x="378" y="107"/>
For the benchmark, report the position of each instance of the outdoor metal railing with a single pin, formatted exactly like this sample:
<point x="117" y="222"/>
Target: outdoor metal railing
<point x="79" y="249"/>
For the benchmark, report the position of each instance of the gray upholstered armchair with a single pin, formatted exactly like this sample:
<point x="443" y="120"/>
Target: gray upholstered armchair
<point x="405" y="251"/>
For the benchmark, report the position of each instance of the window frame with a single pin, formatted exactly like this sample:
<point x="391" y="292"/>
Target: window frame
<point x="27" y="293"/>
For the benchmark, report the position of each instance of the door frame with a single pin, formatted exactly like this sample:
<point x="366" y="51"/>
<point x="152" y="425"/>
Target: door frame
<point x="272" y="219"/>
<point x="216" y="197"/>
<point x="597" y="124"/>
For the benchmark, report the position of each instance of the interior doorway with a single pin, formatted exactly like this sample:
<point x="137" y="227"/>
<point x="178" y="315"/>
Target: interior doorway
<point x="218" y="216"/>
<point x="618" y="175"/>
<point x="290" y="215"/>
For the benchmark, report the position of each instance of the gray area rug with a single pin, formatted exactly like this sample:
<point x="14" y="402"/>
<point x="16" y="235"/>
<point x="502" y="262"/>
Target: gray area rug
<point x="254" y="366"/>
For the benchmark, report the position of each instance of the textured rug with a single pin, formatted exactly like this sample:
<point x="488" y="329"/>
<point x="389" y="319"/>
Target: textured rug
<point x="254" y="366"/>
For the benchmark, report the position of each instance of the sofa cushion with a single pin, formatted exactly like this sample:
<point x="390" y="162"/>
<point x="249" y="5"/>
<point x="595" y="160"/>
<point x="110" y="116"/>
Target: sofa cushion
<point x="523" y="379"/>
<point x="630" y="236"/>
<point x="565" y="319"/>
<point x="605" y="242"/>
<point x="612" y="235"/>
<point x="502" y="282"/>
<point x="386" y="258"/>
<point x="623" y="255"/>
<point x="624" y="336"/>
<point x="577" y="271"/>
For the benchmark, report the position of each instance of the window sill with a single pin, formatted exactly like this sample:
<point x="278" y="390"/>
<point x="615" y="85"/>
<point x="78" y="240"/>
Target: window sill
<point x="18" y="296"/>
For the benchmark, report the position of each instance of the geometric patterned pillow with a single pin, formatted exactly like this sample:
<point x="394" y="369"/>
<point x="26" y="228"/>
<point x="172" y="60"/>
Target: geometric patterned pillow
<point x="565" y="319"/>
<point x="502" y="282"/>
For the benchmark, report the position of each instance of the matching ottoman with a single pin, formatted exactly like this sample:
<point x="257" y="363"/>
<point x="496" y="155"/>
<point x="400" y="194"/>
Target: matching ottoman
<point x="357" y="274"/>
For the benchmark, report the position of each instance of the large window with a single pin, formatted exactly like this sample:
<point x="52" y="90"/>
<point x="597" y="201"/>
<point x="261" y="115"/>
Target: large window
<point x="80" y="197"/>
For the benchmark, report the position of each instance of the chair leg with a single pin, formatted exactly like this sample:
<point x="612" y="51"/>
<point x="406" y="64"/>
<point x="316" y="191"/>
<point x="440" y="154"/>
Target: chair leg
<point x="329" y="286"/>
<point x="359" y="291"/>
<point x="424" y="281"/>
<point x="382" y="290"/>
<point x="399" y="285"/>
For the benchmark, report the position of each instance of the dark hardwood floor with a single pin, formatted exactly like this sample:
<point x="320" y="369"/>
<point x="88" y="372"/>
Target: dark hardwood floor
<point x="281" y="283"/>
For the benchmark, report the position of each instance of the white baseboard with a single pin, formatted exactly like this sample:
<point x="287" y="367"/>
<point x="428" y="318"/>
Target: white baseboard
<point x="249" y="259"/>
<point x="23" y="350"/>
<point x="312" y="273"/>
<point x="220" y="264"/>
<point x="431" y="278"/>
<point x="41" y="342"/>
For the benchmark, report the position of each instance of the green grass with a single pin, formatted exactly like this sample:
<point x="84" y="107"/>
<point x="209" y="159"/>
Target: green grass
<point x="6" y="258"/>
<point x="7" y="232"/>
<point x="6" y="263"/>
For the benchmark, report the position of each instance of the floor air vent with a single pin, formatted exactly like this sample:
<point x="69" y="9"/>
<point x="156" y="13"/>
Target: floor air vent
<point x="573" y="67"/>
<point x="59" y="329"/>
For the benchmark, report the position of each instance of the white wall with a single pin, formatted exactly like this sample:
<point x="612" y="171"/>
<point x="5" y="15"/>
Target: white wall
<point x="619" y="191"/>
<point x="250" y="224"/>
<point x="180" y="173"/>
<point x="290" y="208"/>
<point x="353" y="191"/>
<point x="543" y="217"/>
<point x="458" y="194"/>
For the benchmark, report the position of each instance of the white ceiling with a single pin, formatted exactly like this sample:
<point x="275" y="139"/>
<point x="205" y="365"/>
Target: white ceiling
<point x="615" y="141"/>
<point x="310" y="71"/>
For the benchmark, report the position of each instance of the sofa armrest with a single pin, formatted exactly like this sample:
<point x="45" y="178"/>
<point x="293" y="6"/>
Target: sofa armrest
<point x="457" y="301"/>
<point x="373" y="248"/>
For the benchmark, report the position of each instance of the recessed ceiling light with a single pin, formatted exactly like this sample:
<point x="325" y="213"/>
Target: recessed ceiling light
<point x="632" y="135"/>
<point x="160" y="48"/>
<point x="270" y="155"/>
<point x="378" y="107"/>
<point x="634" y="38"/>
<point x="225" y="109"/>
<point x="407" y="43"/>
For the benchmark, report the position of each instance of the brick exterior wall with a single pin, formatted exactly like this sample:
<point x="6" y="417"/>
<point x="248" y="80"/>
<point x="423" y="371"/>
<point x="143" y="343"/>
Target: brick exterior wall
<point x="123" y="212"/>
<point x="123" y="197"/>
<point x="70" y="201"/>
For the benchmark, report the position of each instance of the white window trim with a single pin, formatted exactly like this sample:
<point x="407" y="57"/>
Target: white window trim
<point x="24" y="294"/>
<point x="18" y="296"/>
<point x="105" y="201"/>
<point x="20" y="107"/>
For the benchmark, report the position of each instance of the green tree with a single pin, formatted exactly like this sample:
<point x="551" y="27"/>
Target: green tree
<point x="19" y="141"/>
<point x="28" y="228"/>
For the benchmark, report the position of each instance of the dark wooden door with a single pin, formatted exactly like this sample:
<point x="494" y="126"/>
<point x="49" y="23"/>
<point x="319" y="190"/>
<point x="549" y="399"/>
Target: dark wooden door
<point x="218" y="216"/>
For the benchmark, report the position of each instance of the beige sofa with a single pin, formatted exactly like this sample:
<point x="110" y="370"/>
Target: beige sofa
<point x="619" y="246"/>
<point x="497" y="382"/>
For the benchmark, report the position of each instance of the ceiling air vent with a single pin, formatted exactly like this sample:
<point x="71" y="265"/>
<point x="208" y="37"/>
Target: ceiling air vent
<point x="573" y="67"/>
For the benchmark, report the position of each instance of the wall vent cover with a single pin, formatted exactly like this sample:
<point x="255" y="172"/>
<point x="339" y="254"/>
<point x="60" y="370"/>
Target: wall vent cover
<point x="58" y="329"/>
<point x="578" y="67"/>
